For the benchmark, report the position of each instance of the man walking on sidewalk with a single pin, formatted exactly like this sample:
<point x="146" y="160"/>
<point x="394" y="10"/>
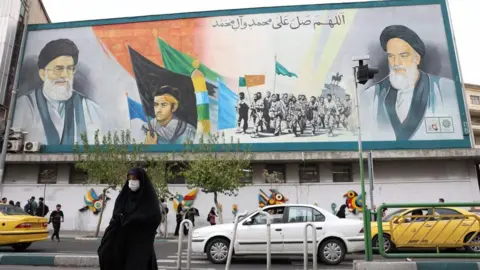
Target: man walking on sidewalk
<point x="56" y="217"/>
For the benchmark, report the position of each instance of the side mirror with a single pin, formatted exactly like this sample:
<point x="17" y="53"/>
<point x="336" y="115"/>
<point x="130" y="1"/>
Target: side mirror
<point x="247" y="221"/>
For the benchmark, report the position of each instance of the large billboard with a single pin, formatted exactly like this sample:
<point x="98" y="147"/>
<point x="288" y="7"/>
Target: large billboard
<point x="278" y="79"/>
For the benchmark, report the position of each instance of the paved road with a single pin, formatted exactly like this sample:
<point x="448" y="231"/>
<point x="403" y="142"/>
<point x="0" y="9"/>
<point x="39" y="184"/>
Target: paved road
<point x="167" y="254"/>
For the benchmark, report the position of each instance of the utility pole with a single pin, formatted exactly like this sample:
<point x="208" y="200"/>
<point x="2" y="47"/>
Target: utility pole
<point x="13" y="100"/>
<point x="361" y="74"/>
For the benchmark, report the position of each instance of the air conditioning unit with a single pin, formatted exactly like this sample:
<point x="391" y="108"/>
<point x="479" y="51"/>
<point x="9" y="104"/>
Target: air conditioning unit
<point x="31" y="147"/>
<point x="14" y="146"/>
<point x="15" y="135"/>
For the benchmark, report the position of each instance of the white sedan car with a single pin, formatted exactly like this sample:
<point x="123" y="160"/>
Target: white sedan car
<point x="335" y="236"/>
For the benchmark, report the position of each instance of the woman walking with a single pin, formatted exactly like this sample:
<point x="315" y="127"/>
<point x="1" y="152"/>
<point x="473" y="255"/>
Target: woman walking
<point x="128" y="240"/>
<point x="211" y="216"/>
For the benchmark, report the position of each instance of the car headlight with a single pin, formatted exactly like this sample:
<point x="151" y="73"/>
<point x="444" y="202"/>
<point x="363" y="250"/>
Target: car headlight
<point x="195" y="234"/>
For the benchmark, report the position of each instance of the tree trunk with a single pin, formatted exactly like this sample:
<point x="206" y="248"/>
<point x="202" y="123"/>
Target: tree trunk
<point x="101" y="212"/>
<point x="215" y="200"/>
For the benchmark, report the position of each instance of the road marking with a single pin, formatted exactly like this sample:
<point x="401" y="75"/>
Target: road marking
<point x="183" y="261"/>
<point x="163" y="267"/>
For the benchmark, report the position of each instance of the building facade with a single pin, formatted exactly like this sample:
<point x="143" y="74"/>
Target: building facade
<point x="473" y="99"/>
<point x="13" y="17"/>
<point x="172" y="79"/>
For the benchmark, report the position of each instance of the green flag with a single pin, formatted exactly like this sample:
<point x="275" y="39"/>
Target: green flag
<point x="281" y="70"/>
<point x="242" y="82"/>
<point x="181" y="63"/>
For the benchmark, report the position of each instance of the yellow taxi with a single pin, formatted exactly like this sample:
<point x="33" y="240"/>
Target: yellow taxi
<point x="439" y="227"/>
<point x="19" y="229"/>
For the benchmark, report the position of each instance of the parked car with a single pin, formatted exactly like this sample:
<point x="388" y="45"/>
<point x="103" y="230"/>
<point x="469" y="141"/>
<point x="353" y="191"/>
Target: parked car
<point x="444" y="227"/>
<point x="335" y="237"/>
<point x="19" y="229"/>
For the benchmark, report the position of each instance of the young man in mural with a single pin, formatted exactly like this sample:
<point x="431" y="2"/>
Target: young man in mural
<point x="267" y="102"/>
<point x="276" y="113"/>
<point x="347" y="111"/>
<point x="242" y="111"/>
<point x="55" y="113"/>
<point x="330" y="114"/>
<point x="286" y="118"/>
<point x="321" y="112"/>
<point x="167" y="127"/>
<point x="258" y="109"/>
<point x="404" y="105"/>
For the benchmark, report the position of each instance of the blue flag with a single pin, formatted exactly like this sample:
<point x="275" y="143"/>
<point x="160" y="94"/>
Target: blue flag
<point x="135" y="110"/>
<point x="227" y="101"/>
<point x="281" y="70"/>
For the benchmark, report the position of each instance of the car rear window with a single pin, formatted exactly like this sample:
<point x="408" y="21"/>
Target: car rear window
<point x="10" y="210"/>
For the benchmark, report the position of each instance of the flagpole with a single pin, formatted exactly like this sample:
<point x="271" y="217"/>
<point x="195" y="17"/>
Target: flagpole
<point x="275" y="74"/>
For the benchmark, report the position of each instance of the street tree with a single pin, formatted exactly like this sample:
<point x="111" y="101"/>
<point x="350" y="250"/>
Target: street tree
<point x="108" y="159"/>
<point x="216" y="166"/>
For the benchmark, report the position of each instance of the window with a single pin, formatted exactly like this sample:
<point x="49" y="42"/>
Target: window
<point x="10" y="210"/>
<point x="278" y="170"/>
<point x="277" y="216"/>
<point x="417" y="215"/>
<point x="77" y="176"/>
<point x="308" y="173"/>
<point x="47" y="174"/>
<point x="304" y="214"/>
<point x="248" y="175"/>
<point x="342" y="172"/>
<point x="175" y="170"/>
<point x="449" y="213"/>
<point x="475" y="99"/>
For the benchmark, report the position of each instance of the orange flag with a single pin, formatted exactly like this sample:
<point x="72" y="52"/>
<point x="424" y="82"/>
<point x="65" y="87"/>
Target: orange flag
<point x="254" y="80"/>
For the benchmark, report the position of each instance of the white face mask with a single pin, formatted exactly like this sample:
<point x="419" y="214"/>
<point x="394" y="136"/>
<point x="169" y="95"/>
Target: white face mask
<point x="134" y="185"/>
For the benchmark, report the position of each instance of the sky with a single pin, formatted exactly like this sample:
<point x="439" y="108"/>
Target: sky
<point x="463" y="14"/>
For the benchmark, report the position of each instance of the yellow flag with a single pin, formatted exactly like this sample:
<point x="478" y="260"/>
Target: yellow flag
<point x="254" y="80"/>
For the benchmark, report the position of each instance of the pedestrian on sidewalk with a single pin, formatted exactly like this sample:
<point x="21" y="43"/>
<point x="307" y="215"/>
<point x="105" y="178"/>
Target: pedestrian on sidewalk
<point x="127" y="243"/>
<point x="211" y="216"/>
<point x="42" y="209"/>
<point x="164" y="211"/>
<point x="4" y="200"/>
<point x="56" y="218"/>
<point x="180" y="214"/>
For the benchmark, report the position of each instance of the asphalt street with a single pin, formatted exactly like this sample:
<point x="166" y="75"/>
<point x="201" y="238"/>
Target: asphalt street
<point x="166" y="251"/>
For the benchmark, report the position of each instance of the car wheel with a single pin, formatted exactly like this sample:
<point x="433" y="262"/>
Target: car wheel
<point x="387" y="243"/>
<point x="217" y="250"/>
<point x="332" y="251"/>
<point x="476" y="239"/>
<point x="20" y="247"/>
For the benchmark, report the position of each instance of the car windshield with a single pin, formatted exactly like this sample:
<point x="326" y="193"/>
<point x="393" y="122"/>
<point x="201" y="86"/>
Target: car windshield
<point x="393" y="214"/>
<point x="10" y="210"/>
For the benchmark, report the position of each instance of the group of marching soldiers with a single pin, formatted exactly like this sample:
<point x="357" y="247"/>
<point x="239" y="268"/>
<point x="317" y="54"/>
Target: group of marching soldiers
<point x="276" y="112"/>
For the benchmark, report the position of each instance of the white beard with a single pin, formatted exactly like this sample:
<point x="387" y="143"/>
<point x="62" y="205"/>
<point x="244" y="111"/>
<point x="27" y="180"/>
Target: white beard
<point x="403" y="81"/>
<point x="57" y="92"/>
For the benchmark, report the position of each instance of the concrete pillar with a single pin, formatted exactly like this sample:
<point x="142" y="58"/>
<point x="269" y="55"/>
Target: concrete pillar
<point x="258" y="173"/>
<point x="63" y="174"/>
<point x="291" y="173"/>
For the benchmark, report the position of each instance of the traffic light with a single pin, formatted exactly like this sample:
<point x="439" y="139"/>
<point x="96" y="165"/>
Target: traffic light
<point x="365" y="73"/>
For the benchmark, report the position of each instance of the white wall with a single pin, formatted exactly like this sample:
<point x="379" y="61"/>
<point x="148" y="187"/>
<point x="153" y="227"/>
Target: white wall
<point x="395" y="182"/>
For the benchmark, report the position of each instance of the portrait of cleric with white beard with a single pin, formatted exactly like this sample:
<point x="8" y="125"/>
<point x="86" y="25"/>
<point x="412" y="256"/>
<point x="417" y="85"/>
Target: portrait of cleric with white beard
<point x="55" y="113"/>
<point x="409" y="104"/>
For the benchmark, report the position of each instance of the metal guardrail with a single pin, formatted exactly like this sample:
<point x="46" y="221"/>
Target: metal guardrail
<point x="429" y="224"/>
<point x="232" y="241"/>
<point x="305" y="246"/>
<point x="269" y="237"/>
<point x="189" y="244"/>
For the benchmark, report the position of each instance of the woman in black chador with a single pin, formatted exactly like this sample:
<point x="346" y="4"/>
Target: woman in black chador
<point x="128" y="240"/>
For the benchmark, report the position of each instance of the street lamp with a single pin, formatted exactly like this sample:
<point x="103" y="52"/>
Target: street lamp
<point x="362" y="74"/>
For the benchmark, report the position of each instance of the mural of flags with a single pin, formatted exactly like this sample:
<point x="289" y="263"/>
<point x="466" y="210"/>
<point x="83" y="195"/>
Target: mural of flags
<point x="254" y="80"/>
<point x="135" y="110"/>
<point x="281" y="70"/>
<point x="227" y="100"/>
<point x="150" y="76"/>
<point x="203" y="104"/>
<point x="181" y="63"/>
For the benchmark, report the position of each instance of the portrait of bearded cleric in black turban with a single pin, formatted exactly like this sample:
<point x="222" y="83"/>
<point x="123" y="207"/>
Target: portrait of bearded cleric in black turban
<point x="409" y="104"/>
<point x="55" y="113"/>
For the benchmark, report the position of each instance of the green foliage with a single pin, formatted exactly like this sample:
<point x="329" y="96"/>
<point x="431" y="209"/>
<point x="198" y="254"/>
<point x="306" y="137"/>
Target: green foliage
<point x="214" y="172"/>
<point x="111" y="156"/>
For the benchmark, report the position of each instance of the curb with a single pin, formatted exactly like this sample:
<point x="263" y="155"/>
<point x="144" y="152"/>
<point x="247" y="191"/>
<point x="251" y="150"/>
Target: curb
<point x="50" y="260"/>
<point x="423" y="265"/>
<point x="170" y="240"/>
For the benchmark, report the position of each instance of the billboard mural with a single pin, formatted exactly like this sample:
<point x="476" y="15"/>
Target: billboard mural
<point x="273" y="76"/>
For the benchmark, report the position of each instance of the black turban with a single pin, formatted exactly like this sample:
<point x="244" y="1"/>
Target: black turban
<point x="57" y="48"/>
<point x="404" y="33"/>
